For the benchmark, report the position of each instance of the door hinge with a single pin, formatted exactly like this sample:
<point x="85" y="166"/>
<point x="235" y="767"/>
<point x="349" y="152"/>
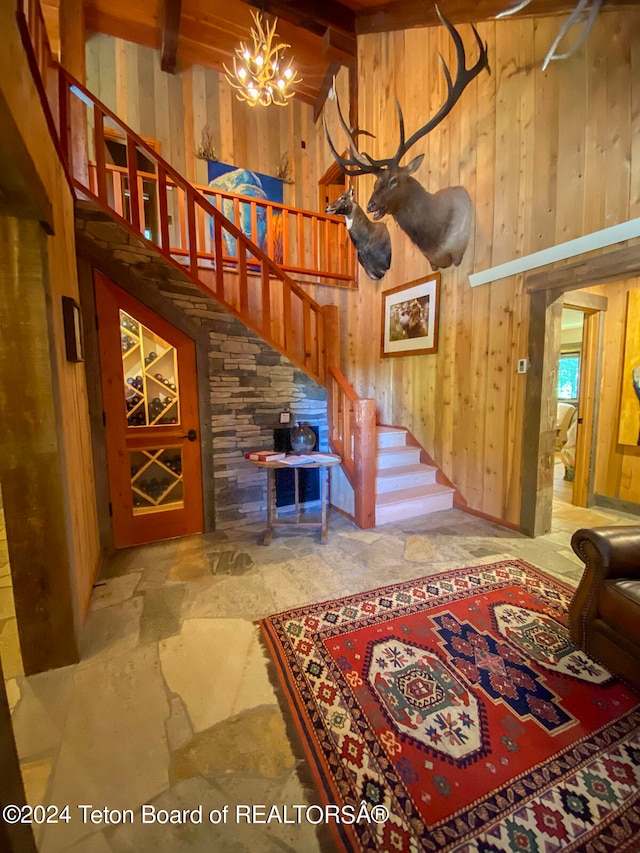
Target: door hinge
<point x="110" y="509"/>
<point x="104" y="419"/>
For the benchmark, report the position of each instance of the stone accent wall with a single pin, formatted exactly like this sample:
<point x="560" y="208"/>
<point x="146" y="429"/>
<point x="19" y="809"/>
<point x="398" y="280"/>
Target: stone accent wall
<point x="250" y="383"/>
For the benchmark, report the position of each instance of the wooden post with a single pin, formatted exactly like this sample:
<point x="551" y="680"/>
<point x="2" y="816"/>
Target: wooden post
<point x="331" y="335"/>
<point x="72" y="58"/>
<point x="163" y="209"/>
<point x="101" y="175"/>
<point x="365" y="463"/>
<point x="132" y="170"/>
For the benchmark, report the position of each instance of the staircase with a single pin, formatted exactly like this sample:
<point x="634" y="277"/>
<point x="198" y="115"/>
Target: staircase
<point x="170" y="218"/>
<point x="405" y="487"/>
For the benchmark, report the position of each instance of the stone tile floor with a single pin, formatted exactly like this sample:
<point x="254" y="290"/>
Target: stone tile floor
<point x="172" y="704"/>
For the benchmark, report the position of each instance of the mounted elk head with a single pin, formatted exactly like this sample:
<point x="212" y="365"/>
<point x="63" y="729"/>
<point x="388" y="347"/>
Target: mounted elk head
<point x="371" y="239"/>
<point x="438" y="223"/>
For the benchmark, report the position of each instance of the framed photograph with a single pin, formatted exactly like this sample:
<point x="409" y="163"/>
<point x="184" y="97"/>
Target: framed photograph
<point x="410" y="317"/>
<point x="72" y="320"/>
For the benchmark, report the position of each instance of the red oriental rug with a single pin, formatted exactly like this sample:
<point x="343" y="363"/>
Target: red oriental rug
<point x="458" y="703"/>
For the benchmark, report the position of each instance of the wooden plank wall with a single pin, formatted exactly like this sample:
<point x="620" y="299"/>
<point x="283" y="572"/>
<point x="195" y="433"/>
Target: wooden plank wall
<point x="546" y="156"/>
<point x="617" y="465"/>
<point x="175" y="109"/>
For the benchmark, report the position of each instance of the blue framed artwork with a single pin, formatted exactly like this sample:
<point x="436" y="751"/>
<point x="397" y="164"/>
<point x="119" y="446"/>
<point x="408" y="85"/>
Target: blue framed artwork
<point x="245" y="182"/>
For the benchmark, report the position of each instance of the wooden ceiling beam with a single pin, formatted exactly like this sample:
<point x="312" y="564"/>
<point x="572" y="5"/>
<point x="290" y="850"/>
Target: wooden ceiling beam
<point x="406" y="14"/>
<point x="337" y="47"/>
<point x="171" y="13"/>
<point x="615" y="265"/>
<point x="325" y="88"/>
<point x="311" y="15"/>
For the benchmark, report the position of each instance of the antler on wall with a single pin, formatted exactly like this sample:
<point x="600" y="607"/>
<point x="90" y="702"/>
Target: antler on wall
<point x="439" y="223"/>
<point x="585" y="11"/>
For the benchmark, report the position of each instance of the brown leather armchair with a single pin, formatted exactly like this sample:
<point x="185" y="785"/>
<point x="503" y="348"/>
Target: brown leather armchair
<point x="604" y="616"/>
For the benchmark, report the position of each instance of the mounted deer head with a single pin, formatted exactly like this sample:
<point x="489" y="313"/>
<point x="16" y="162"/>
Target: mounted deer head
<point x="371" y="239"/>
<point x="438" y="223"/>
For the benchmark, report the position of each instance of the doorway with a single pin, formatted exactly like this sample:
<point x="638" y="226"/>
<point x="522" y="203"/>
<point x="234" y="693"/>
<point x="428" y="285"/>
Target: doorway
<point x="118" y="190"/>
<point x="540" y="433"/>
<point x="331" y="186"/>
<point x="568" y="390"/>
<point x="150" y="399"/>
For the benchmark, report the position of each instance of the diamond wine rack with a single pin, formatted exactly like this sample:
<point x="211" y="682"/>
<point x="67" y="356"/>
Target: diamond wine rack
<point x="152" y="399"/>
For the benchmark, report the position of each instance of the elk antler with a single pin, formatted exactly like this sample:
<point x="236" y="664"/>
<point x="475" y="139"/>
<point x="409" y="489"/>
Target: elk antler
<point x="350" y="165"/>
<point x="361" y="163"/>
<point x="579" y="13"/>
<point x="582" y="11"/>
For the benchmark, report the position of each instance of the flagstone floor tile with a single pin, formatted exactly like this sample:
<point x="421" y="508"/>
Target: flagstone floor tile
<point x="115" y="590"/>
<point x="114" y="750"/>
<point x="35" y="776"/>
<point x="205" y="666"/>
<point x="113" y="629"/>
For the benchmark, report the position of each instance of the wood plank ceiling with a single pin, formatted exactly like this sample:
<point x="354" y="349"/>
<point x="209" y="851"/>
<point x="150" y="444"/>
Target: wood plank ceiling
<point x="322" y="35"/>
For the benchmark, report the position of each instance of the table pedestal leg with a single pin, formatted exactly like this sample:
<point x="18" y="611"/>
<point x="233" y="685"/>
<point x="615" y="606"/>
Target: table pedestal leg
<point x="324" y="477"/>
<point x="271" y="506"/>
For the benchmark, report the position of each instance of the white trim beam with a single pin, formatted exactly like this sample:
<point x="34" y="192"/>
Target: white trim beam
<point x="581" y="245"/>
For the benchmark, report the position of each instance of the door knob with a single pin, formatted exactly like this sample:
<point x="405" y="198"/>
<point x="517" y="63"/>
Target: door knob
<point x="191" y="435"/>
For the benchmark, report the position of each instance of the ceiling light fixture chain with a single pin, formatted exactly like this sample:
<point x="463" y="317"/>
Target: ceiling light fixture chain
<point x="262" y="75"/>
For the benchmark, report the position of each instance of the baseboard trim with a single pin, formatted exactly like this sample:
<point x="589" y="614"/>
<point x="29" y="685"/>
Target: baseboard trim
<point x="617" y="504"/>
<point x="501" y="522"/>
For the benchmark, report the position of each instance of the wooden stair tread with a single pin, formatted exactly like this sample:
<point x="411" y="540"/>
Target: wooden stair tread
<point x="402" y="470"/>
<point x="415" y="493"/>
<point x="402" y="448"/>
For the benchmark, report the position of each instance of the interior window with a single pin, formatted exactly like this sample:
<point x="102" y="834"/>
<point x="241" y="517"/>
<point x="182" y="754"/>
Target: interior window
<point x="568" y="376"/>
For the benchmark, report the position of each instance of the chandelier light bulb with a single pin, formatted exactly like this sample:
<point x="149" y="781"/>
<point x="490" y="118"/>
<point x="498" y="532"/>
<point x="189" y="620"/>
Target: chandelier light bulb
<point x="256" y="78"/>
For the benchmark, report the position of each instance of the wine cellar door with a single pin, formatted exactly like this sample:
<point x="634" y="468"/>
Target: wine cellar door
<point x="150" y="396"/>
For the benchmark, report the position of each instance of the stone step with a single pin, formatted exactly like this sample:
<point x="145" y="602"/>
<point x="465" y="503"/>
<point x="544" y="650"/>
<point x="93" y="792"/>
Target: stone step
<point x="410" y="503"/>
<point x="394" y="457"/>
<point x="391" y="437"/>
<point x="404" y="477"/>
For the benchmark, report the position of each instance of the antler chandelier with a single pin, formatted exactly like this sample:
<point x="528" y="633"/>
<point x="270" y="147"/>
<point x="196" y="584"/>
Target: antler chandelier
<point x="261" y="75"/>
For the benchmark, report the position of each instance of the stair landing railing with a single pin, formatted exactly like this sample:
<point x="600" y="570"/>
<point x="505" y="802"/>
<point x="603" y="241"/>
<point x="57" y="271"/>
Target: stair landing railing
<point x="307" y="245"/>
